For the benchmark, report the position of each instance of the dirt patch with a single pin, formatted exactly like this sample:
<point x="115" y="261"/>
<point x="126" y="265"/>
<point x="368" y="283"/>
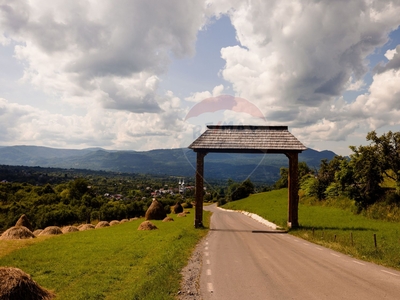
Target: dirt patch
<point x="190" y="284"/>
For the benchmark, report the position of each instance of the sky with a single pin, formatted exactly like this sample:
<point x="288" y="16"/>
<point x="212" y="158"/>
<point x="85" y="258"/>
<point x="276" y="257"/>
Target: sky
<point x="126" y="74"/>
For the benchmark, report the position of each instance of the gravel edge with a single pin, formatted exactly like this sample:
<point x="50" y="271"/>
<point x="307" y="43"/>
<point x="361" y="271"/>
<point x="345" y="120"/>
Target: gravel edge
<point x="190" y="284"/>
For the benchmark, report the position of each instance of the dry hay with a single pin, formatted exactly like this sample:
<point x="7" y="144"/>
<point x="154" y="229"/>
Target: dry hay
<point x="124" y="221"/>
<point x="51" y="230"/>
<point x="133" y="219"/>
<point x="67" y="229"/>
<point x="147" y="225"/>
<point x="168" y="219"/>
<point x="23" y="221"/>
<point x="15" y="284"/>
<point x="114" y="222"/>
<point x="155" y="211"/>
<point x="37" y="232"/>
<point x="102" y="224"/>
<point x="84" y="227"/>
<point x="17" y="233"/>
<point x="178" y="208"/>
<point x="182" y="214"/>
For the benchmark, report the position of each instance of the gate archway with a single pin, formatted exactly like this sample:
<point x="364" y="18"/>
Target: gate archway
<point x="248" y="139"/>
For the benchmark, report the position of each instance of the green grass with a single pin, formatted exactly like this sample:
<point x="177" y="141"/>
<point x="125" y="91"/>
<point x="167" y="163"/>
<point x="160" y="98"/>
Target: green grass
<point x="117" y="262"/>
<point x="336" y="228"/>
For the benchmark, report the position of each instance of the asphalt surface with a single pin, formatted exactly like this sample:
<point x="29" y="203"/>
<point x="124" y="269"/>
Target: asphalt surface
<point x="244" y="259"/>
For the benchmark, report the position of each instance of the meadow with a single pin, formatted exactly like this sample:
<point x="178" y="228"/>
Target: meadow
<point x="117" y="262"/>
<point x="339" y="229"/>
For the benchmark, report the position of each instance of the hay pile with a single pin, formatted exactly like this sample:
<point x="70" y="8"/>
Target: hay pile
<point x="178" y="208"/>
<point x="84" y="227"/>
<point x="182" y="214"/>
<point x="67" y="229"/>
<point x="102" y="224"/>
<point x="147" y="225"/>
<point x="15" y="284"/>
<point x="155" y="211"/>
<point x="133" y="219"/>
<point x="37" y="232"/>
<point x="24" y="221"/>
<point x="51" y="230"/>
<point x="168" y="219"/>
<point x="124" y="221"/>
<point x="17" y="233"/>
<point x="114" y="222"/>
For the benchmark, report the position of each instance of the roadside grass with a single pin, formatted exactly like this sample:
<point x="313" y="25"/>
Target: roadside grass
<point x="332" y="227"/>
<point x="117" y="262"/>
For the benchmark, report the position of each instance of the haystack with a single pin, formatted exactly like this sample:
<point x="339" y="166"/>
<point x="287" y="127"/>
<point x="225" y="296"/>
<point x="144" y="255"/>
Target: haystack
<point x="168" y="219"/>
<point x="114" y="222"/>
<point x="182" y="214"/>
<point x="37" y="232"/>
<point x="15" y="284"/>
<point x="124" y="221"/>
<point x="178" y="208"/>
<point x="67" y="229"/>
<point x="147" y="225"/>
<point x="17" y="233"/>
<point x="102" y="224"/>
<point x="51" y="230"/>
<point x="84" y="227"/>
<point x="24" y="221"/>
<point x="134" y="219"/>
<point x="155" y="211"/>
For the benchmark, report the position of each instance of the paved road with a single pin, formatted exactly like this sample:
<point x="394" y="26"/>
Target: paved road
<point x="244" y="259"/>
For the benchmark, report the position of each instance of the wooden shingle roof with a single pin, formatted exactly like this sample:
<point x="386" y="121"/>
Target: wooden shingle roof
<point x="247" y="139"/>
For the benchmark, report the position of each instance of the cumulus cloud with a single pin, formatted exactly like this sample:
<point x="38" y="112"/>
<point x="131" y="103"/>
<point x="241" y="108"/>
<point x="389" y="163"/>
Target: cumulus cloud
<point x="104" y="60"/>
<point x="111" y="51"/>
<point x="297" y="58"/>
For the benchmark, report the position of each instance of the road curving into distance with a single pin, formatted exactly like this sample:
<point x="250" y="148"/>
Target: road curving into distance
<point x="244" y="259"/>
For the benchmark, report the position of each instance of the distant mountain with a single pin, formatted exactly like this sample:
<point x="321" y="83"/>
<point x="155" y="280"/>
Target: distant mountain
<point x="176" y="162"/>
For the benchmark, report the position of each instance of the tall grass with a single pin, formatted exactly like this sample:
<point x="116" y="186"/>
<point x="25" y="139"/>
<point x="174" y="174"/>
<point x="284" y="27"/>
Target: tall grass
<point x="117" y="262"/>
<point x="333" y="227"/>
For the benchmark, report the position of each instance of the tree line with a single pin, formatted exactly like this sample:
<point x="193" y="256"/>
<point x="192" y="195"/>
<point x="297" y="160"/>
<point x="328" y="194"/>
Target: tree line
<point x="371" y="174"/>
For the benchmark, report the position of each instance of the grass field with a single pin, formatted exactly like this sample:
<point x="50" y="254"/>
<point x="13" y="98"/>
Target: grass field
<point x="331" y="227"/>
<point x="117" y="262"/>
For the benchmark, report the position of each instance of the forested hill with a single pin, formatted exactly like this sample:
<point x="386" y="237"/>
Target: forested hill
<point x="176" y="162"/>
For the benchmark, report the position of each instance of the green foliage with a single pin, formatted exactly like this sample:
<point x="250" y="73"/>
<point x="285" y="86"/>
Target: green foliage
<point x="80" y="198"/>
<point x="242" y="190"/>
<point x="303" y="172"/>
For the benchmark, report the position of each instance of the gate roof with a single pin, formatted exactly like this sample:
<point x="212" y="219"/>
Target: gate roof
<point x="247" y="139"/>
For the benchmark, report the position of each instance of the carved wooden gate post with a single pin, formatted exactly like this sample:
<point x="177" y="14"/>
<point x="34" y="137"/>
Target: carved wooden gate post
<point x="198" y="220"/>
<point x="293" y="186"/>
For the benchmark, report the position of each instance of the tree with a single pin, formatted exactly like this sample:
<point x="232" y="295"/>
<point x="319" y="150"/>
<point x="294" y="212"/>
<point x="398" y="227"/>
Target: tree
<point x="367" y="174"/>
<point x="387" y="150"/>
<point x="242" y="190"/>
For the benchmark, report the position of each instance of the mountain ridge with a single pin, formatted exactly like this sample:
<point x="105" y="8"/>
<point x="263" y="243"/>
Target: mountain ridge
<point x="174" y="162"/>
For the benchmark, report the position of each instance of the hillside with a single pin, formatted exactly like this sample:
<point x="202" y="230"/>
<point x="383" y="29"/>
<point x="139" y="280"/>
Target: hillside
<point x="177" y="162"/>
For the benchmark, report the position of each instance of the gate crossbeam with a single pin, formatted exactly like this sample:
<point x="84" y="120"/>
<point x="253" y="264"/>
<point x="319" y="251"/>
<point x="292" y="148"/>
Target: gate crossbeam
<point x="248" y="139"/>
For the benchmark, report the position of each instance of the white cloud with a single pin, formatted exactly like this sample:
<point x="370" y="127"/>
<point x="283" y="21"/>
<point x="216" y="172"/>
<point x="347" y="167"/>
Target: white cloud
<point x="104" y="60"/>
<point x="110" y="49"/>
<point x="297" y="58"/>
